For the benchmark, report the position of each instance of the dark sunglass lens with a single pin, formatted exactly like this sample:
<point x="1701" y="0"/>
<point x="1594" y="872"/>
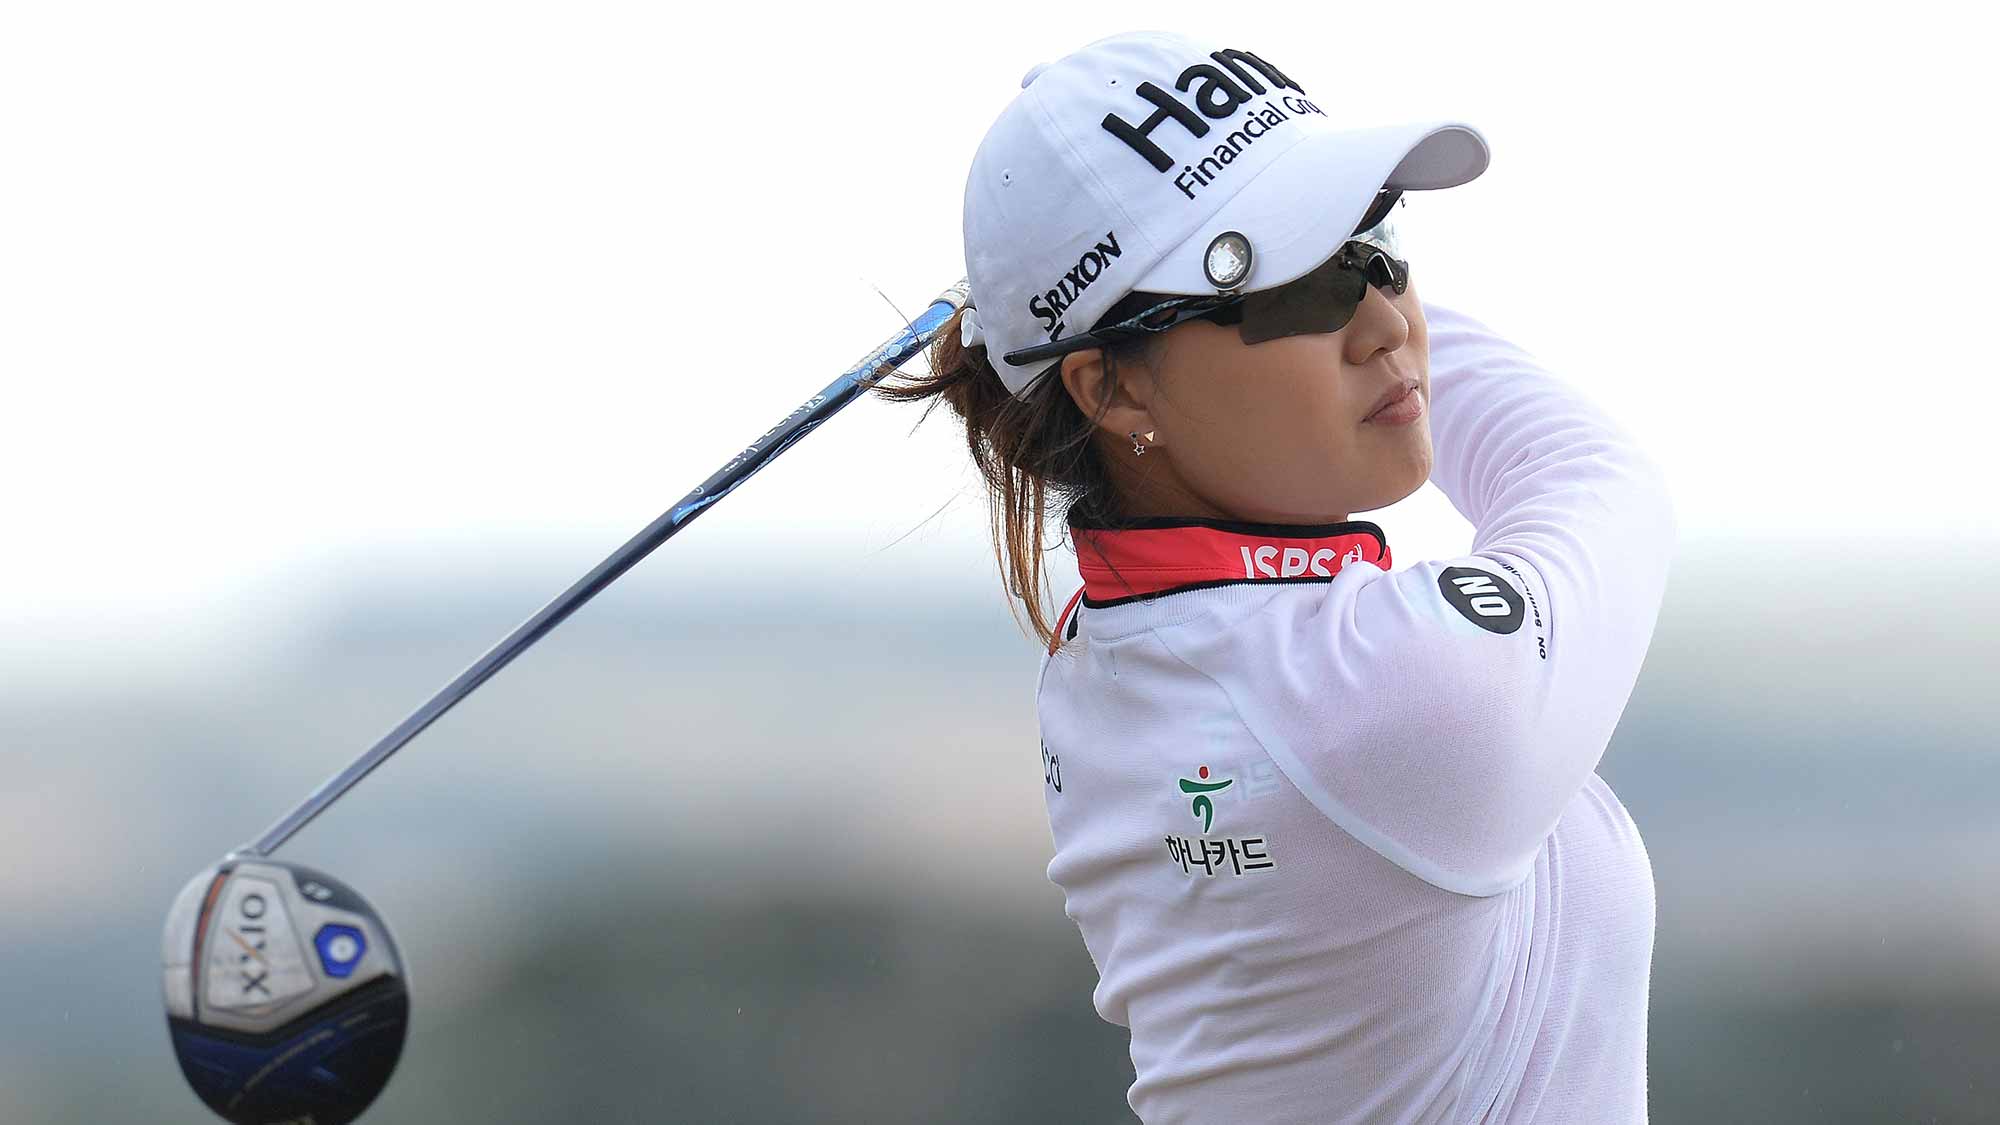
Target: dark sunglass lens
<point x="1228" y="315"/>
<point x="1321" y="301"/>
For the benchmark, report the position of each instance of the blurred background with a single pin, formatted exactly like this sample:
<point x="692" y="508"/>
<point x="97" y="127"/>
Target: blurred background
<point x="335" y="341"/>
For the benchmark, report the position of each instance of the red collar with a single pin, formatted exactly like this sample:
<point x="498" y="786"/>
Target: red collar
<point x="1166" y="554"/>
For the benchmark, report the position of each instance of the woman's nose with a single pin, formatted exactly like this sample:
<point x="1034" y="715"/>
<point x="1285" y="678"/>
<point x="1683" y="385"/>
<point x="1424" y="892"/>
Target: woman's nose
<point x="1378" y="326"/>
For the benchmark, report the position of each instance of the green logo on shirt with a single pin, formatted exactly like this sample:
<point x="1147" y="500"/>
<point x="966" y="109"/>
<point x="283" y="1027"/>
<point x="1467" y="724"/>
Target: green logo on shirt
<point x="1203" y="807"/>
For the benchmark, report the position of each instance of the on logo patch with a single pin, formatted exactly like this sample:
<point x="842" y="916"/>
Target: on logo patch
<point x="1485" y="599"/>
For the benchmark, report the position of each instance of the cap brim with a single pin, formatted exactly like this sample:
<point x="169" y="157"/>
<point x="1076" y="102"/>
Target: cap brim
<point x="1303" y="207"/>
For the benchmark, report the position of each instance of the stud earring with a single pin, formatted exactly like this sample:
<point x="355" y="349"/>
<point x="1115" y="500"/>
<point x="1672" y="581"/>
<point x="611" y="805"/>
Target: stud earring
<point x="1139" y="447"/>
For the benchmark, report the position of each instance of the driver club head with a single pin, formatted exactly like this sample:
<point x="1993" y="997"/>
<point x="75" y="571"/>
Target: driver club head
<point x="286" y="998"/>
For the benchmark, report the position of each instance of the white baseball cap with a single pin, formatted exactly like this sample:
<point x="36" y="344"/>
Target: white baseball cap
<point x="1116" y="166"/>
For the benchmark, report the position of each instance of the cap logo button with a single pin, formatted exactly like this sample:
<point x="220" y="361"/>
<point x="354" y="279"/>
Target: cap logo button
<point x="1226" y="262"/>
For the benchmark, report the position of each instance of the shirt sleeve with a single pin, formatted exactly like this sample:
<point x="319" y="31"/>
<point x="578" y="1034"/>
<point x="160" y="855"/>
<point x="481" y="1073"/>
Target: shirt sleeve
<point x="1446" y="713"/>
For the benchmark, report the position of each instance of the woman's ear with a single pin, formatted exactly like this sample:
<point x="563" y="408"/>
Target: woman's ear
<point x="1121" y="390"/>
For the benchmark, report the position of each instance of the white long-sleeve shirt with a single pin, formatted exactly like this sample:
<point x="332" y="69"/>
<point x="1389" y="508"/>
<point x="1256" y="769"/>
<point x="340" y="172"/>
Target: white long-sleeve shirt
<point x="1331" y="833"/>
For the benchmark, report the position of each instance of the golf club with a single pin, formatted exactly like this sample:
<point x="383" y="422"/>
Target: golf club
<point x="287" y="1000"/>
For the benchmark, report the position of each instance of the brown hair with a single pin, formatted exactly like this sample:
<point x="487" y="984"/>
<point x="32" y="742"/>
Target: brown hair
<point x="1031" y="451"/>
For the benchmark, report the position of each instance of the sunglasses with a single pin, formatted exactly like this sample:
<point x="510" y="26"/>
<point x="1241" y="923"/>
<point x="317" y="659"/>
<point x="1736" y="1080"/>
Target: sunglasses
<point x="1324" y="300"/>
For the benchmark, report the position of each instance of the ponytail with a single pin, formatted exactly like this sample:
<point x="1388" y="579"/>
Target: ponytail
<point x="1034" y="452"/>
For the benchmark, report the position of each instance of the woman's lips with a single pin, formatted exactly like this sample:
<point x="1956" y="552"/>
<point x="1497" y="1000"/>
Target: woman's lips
<point x="1401" y="411"/>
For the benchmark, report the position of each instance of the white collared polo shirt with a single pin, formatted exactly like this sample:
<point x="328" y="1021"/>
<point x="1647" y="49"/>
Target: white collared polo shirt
<point x="1331" y="831"/>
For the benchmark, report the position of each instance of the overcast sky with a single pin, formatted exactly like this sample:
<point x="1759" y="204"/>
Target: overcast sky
<point x="290" y="290"/>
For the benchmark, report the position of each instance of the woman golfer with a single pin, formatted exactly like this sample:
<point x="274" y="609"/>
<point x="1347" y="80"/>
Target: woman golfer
<point x="1330" y="831"/>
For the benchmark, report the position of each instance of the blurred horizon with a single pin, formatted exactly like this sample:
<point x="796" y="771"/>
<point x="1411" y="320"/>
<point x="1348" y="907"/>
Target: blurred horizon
<point x="809" y="798"/>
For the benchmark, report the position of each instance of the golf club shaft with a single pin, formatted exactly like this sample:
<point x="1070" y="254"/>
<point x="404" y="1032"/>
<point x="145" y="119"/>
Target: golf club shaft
<point x="872" y="368"/>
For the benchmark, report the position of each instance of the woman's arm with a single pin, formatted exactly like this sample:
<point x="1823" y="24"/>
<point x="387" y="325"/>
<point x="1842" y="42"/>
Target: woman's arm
<point x="1446" y="713"/>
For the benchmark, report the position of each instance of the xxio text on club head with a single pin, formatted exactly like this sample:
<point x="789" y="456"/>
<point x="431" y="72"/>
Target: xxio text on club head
<point x="286" y="999"/>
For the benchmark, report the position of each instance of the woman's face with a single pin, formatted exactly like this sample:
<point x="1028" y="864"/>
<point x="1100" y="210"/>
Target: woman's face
<point x="1275" y="432"/>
